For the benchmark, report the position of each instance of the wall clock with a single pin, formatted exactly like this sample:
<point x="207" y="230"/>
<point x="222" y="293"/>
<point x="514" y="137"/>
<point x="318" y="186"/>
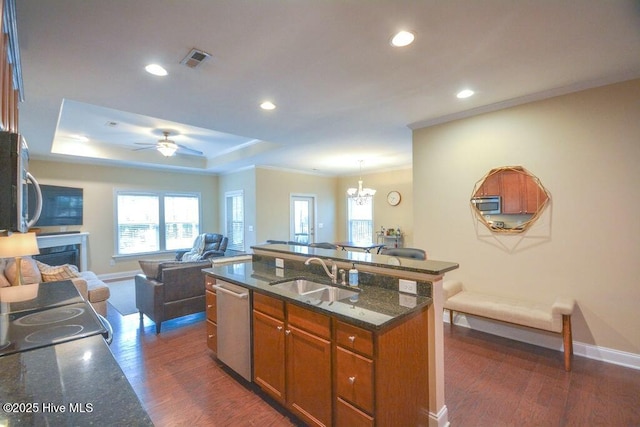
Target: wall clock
<point x="393" y="198"/>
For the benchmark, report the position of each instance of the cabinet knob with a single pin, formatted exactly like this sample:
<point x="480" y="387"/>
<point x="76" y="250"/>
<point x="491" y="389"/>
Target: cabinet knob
<point x="210" y="336"/>
<point x="279" y="328"/>
<point x="209" y="306"/>
<point x="352" y="380"/>
<point x="352" y="338"/>
<point x="287" y="332"/>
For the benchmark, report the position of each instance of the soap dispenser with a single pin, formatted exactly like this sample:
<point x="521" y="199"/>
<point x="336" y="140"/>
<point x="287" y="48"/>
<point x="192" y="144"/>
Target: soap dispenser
<point x="353" y="276"/>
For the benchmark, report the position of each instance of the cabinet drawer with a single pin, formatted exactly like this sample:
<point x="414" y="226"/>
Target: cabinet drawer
<point x="268" y="305"/>
<point x="209" y="281"/>
<point x="354" y="338"/>
<point x="354" y="379"/>
<point x="315" y="323"/>
<point x="348" y="416"/>
<point x="212" y="336"/>
<point x="212" y="311"/>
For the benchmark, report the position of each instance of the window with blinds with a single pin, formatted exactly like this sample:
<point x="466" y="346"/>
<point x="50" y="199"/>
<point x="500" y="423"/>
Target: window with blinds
<point x="150" y="222"/>
<point x="234" y="213"/>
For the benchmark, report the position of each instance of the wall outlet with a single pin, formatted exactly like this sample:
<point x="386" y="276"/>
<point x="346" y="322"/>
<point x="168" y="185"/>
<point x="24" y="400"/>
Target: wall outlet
<point x="279" y="272"/>
<point x="279" y="263"/>
<point x="407" y="300"/>
<point x="408" y="286"/>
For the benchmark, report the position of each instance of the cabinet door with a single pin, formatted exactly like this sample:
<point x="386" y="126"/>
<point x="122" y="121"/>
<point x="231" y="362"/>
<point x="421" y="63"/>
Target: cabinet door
<point x="212" y="308"/>
<point x="491" y="186"/>
<point x="212" y="336"/>
<point x="511" y="192"/>
<point x="309" y="376"/>
<point x="354" y="379"/>
<point x="535" y="197"/>
<point x="268" y="355"/>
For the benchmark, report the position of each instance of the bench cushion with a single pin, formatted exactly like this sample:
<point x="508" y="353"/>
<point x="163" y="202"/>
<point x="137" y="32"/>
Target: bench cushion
<point x="526" y="313"/>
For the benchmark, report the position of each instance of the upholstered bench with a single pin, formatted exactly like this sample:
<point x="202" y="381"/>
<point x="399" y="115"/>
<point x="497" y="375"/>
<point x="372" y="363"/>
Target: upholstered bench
<point x="554" y="318"/>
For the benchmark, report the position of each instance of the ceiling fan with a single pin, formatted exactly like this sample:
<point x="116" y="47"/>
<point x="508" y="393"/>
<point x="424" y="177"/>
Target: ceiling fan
<point x="168" y="147"/>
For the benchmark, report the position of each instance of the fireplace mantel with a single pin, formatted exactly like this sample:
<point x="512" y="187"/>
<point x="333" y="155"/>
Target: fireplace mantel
<point x="80" y="239"/>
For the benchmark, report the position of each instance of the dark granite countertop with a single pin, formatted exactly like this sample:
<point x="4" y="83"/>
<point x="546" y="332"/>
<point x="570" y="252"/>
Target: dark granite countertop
<point x="77" y="383"/>
<point x="428" y="266"/>
<point x="375" y="309"/>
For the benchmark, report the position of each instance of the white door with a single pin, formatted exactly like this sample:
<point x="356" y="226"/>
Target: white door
<point x="302" y="219"/>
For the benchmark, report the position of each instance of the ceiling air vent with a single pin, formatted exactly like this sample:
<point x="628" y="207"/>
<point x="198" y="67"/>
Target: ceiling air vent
<point x="195" y="58"/>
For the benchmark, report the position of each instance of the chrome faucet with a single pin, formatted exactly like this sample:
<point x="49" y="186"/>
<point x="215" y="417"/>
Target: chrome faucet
<point x="333" y="275"/>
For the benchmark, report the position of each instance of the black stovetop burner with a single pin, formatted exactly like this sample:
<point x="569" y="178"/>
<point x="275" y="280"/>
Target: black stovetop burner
<point x="40" y="328"/>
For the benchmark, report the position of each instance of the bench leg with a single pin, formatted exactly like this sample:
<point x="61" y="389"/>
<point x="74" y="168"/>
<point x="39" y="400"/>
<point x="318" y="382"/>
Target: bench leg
<point x="568" y="341"/>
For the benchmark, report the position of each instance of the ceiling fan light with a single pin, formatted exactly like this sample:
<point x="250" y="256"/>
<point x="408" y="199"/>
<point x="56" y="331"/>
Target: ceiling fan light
<point x="167" y="150"/>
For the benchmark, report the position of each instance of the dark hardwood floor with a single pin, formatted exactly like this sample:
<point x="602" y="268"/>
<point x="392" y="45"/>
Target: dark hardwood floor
<point x="489" y="381"/>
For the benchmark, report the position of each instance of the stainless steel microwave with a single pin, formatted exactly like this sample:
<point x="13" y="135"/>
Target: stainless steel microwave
<point x="488" y="205"/>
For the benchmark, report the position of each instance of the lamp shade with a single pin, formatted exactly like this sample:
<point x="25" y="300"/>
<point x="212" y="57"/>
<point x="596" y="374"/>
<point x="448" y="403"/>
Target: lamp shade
<point x="18" y="245"/>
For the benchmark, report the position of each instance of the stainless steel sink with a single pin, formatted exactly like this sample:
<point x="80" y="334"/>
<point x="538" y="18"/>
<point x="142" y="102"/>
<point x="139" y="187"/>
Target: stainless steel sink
<point x="332" y="293"/>
<point x="315" y="290"/>
<point x="301" y="286"/>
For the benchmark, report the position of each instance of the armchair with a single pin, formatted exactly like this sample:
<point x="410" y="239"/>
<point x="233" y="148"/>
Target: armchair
<point x="205" y="246"/>
<point x="176" y="290"/>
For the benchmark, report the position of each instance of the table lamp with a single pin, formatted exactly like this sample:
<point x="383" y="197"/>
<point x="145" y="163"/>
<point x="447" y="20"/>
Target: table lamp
<point x="18" y="245"/>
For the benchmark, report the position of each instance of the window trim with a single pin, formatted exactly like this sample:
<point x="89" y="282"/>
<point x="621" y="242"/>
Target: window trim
<point x="227" y="195"/>
<point x="161" y="194"/>
<point x="348" y="216"/>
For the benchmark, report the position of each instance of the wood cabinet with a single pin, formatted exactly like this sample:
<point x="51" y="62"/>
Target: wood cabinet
<point x="269" y="346"/>
<point x="381" y="378"/>
<point x="212" y="315"/>
<point x="491" y="186"/>
<point x="519" y="192"/>
<point x="328" y="371"/>
<point x="292" y="357"/>
<point x="10" y="73"/>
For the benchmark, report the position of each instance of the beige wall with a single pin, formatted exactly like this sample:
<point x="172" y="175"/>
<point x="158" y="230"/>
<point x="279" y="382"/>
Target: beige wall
<point x="585" y="148"/>
<point x="244" y="181"/>
<point x="384" y="215"/>
<point x="101" y="182"/>
<point x="274" y="189"/>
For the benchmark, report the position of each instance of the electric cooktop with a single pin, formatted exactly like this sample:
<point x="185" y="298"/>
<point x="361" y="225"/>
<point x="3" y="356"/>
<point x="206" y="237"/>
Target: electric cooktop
<point x="28" y="330"/>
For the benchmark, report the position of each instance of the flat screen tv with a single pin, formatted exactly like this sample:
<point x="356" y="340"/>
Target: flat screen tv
<point x="60" y="205"/>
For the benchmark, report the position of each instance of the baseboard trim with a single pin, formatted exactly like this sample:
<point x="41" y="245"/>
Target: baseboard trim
<point x="544" y="339"/>
<point x="441" y="419"/>
<point x="121" y="275"/>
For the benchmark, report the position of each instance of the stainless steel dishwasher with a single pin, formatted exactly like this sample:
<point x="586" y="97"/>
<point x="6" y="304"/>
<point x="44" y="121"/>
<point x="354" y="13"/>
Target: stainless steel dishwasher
<point x="234" y="327"/>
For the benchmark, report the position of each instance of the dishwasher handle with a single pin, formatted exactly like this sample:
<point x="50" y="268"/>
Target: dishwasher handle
<point x="222" y="289"/>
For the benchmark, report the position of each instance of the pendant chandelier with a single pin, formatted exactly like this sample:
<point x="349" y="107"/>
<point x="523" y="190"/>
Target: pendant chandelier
<point x="361" y="195"/>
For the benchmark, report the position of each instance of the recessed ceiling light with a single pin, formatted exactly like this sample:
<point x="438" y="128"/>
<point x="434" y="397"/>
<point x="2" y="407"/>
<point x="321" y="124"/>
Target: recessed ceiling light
<point x="156" y="70"/>
<point x="403" y="38"/>
<point x="268" y="105"/>
<point x="466" y="93"/>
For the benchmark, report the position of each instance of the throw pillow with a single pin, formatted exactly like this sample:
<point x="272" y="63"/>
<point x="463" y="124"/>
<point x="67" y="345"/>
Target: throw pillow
<point x="30" y="272"/>
<point x="150" y="268"/>
<point x="56" y="273"/>
<point x="3" y="280"/>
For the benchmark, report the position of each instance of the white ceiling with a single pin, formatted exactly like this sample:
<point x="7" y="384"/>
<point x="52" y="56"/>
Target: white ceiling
<point x="343" y="93"/>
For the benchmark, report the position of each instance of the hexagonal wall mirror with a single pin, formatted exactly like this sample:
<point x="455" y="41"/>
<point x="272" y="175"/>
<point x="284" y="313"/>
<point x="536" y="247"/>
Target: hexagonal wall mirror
<point x="509" y="199"/>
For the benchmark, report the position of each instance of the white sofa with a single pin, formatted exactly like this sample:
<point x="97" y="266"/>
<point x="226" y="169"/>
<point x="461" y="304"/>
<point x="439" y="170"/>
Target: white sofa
<point x="554" y="318"/>
<point x="88" y="284"/>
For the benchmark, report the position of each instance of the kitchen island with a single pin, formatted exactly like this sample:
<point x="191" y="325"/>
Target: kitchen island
<point x="373" y="359"/>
